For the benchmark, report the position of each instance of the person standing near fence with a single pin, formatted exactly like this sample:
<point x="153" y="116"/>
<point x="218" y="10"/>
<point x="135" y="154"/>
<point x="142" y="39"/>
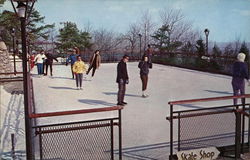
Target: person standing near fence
<point x="240" y="73"/>
<point x="94" y="62"/>
<point x="78" y="69"/>
<point x="39" y="60"/>
<point x="122" y="79"/>
<point x="144" y="70"/>
<point x="49" y="63"/>
<point x="72" y="59"/>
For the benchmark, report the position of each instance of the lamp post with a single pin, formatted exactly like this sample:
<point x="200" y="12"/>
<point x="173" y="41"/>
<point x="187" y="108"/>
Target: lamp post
<point x="22" y="10"/>
<point x="13" y="32"/>
<point x="206" y="31"/>
<point x="140" y="36"/>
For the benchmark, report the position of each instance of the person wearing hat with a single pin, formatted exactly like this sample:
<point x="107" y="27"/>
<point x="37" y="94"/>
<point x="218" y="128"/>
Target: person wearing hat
<point x="240" y="73"/>
<point x="72" y="59"/>
<point x="122" y="79"/>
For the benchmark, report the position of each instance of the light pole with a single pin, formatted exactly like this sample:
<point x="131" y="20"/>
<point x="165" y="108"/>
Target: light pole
<point x="206" y="31"/>
<point x="140" y="36"/>
<point x="22" y="10"/>
<point x="13" y="32"/>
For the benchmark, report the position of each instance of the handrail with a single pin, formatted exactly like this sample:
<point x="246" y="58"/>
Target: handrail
<point x="201" y="114"/>
<point x="8" y="73"/>
<point x="207" y="99"/>
<point x="62" y="113"/>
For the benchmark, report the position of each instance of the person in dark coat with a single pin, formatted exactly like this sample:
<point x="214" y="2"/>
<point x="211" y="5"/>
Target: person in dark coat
<point x="49" y="63"/>
<point x="94" y="63"/>
<point x="122" y="79"/>
<point x="144" y="66"/>
<point x="72" y="59"/>
<point x="240" y="73"/>
<point x="149" y="54"/>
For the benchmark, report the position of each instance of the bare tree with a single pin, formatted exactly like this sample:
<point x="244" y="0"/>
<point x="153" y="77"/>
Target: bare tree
<point x="105" y="40"/>
<point x="178" y="29"/>
<point x="88" y="27"/>
<point x="132" y="37"/>
<point x="147" y="28"/>
<point x="237" y="45"/>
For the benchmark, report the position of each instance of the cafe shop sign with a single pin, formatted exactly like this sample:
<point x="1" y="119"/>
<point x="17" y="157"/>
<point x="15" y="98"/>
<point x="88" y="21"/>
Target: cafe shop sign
<point x="199" y="154"/>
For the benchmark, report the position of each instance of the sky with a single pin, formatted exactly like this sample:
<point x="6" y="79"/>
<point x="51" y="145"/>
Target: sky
<point x="227" y="20"/>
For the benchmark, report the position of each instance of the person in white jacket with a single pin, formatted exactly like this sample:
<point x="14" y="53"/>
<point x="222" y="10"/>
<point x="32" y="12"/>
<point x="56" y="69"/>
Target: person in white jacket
<point x="39" y="59"/>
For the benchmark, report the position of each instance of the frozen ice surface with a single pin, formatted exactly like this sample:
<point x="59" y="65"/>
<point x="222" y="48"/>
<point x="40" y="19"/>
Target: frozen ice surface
<point x="145" y="129"/>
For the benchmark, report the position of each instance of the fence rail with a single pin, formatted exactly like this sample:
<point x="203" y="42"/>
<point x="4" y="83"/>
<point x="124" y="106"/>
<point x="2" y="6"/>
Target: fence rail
<point x="223" y="120"/>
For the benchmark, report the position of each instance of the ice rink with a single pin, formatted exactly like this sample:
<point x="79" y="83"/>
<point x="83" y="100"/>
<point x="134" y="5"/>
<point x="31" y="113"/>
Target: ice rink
<point x="145" y="130"/>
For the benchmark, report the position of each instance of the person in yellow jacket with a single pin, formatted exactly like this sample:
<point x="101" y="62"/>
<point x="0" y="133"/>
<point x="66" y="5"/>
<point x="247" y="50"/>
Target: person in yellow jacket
<point x="78" y="68"/>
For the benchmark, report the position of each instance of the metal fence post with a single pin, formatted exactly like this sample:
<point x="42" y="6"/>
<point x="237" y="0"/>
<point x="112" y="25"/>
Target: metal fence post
<point x="112" y="138"/>
<point x="237" y="135"/>
<point x="171" y="132"/>
<point x="13" y="146"/>
<point x="120" y="135"/>
<point x="243" y="130"/>
<point x="248" y="129"/>
<point x="179" y="132"/>
<point x="40" y="143"/>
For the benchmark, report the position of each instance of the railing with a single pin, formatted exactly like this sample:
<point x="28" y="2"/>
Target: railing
<point x="84" y="140"/>
<point x="79" y="140"/>
<point x="215" y="126"/>
<point x="11" y="79"/>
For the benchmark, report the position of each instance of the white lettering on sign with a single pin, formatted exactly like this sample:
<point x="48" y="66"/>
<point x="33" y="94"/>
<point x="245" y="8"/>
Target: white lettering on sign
<point x="199" y="154"/>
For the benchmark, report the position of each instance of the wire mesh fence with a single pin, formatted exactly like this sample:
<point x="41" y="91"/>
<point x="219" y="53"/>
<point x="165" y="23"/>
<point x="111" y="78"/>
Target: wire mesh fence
<point x="213" y="129"/>
<point x="77" y="141"/>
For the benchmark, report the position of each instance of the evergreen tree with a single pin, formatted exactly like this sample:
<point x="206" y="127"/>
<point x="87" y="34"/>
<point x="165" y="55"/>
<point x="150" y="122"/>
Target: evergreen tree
<point x="162" y="38"/>
<point x="216" y="51"/>
<point x="70" y="36"/>
<point x="34" y="27"/>
<point x="188" y="48"/>
<point x="200" y="47"/>
<point x="229" y="51"/>
<point x="163" y="42"/>
<point x="244" y="49"/>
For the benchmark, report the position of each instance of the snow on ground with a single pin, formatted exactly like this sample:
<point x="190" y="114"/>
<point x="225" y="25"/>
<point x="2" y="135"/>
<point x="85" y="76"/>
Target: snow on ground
<point x="12" y="122"/>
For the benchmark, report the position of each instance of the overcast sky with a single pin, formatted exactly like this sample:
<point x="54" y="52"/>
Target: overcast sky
<point x="226" y="19"/>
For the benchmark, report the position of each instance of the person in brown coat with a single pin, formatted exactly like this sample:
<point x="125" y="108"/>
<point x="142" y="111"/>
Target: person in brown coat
<point x="94" y="63"/>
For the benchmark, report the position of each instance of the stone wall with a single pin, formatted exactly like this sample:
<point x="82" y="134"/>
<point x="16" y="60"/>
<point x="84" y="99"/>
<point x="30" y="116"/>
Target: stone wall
<point x="5" y="63"/>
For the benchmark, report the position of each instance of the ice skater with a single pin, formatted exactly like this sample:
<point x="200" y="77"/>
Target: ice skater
<point x="94" y="63"/>
<point x="79" y="68"/>
<point x="49" y="63"/>
<point x="39" y="60"/>
<point x="122" y="79"/>
<point x="144" y="66"/>
<point x="72" y="59"/>
<point x="240" y="73"/>
<point x="149" y="54"/>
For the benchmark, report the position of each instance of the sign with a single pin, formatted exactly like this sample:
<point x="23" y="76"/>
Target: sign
<point x="199" y="154"/>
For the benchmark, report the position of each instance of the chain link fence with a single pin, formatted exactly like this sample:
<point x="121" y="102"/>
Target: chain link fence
<point x="82" y="141"/>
